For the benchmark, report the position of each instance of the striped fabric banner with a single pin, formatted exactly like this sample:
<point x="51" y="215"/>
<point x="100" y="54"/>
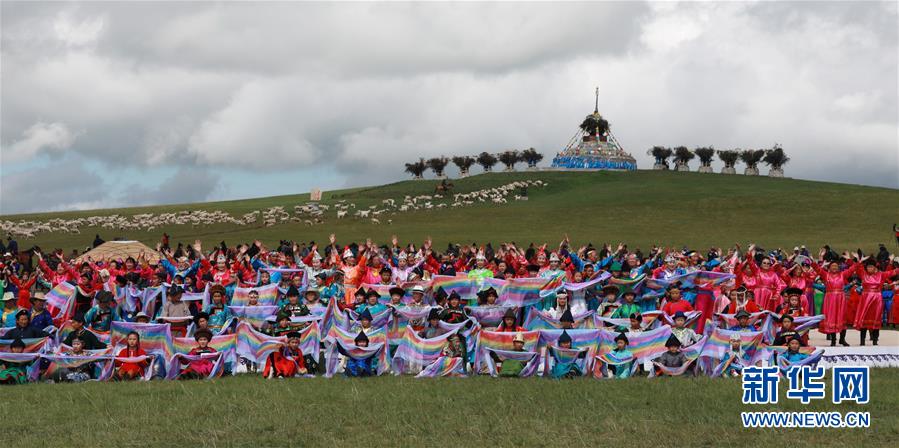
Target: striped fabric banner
<point x="32" y="345"/>
<point x="339" y="348"/>
<point x="413" y="352"/>
<point x="268" y="295"/>
<point x="444" y="366"/>
<point x="543" y="320"/>
<point x="61" y="302"/>
<point x="154" y="338"/>
<point x="219" y="359"/>
<point x="254" y="315"/>
<point x="531" y="360"/>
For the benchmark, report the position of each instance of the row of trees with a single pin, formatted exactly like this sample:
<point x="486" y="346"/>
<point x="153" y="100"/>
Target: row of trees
<point x="681" y="155"/>
<point x="485" y="159"/>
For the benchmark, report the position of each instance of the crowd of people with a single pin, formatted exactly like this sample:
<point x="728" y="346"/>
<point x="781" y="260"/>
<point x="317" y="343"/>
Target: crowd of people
<point x="57" y="313"/>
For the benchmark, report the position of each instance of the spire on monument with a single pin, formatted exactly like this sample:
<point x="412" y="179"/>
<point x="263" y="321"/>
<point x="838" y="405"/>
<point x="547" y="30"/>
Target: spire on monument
<point x="596" y="109"/>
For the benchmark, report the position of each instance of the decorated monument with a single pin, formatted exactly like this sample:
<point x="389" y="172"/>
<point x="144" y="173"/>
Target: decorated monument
<point x="594" y="147"/>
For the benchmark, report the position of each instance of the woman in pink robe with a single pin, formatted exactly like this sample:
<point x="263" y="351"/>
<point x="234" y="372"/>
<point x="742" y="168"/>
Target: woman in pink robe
<point x="834" y="306"/>
<point x="869" y="315"/>
<point x="767" y="284"/>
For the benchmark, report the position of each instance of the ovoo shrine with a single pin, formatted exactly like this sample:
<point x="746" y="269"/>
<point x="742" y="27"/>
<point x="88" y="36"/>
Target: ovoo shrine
<point x="594" y="147"/>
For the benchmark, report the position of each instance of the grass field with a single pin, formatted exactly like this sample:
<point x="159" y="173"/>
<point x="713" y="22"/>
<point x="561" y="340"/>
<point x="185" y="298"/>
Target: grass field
<point x="641" y="208"/>
<point x="402" y="411"/>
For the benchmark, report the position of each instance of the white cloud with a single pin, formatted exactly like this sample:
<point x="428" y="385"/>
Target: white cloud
<point x="73" y="32"/>
<point x="40" y="138"/>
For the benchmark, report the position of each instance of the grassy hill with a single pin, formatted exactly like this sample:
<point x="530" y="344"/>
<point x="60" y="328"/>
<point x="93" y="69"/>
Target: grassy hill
<point x="641" y="208"/>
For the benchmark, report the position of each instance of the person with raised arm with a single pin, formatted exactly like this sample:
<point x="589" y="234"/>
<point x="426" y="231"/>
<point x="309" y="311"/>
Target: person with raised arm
<point x="869" y="316"/>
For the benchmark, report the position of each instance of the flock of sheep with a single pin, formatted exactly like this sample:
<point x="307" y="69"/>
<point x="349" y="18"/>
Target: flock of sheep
<point x="311" y="213"/>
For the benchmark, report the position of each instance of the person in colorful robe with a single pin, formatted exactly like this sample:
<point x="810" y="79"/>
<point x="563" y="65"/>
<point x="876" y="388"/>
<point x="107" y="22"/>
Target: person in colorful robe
<point x="8" y="315"/>
<point x="288" y="361"/>
<point x="673" y="357"/>
<point x="175" y="307"/>
<point x="353" y="270"/>
<point x="292" y="305"/>
<point x="455" y="348"/>
<point x="567" y="369"/>
<point x="15" y="372"/>
<point x="552" y="271"/>
<point x="869" y="317"/>
<point x="101" y="316"/>
<point x="510" y="323"/>
<point x="735" y="359"/>
<point x="432" y="330"/>
<point x="628" y="307"/>
<point x="609" y="301"/>
<point x="670" y="269"/>
<point x="743" y="322"/>
<point x="372" y="303"/>
<point x="454" y="313"/>
<point x="793" y="355"/>
<point x="686" y="336"/>
<point x="396" y="296"/>
<point x="793" y="304"/>
<point x="561" y="306"/>
<point x="363" y="323"/>
<point x="128" y="370"/>
<point x="81" y="373"/>
<point x="487" y="297"/>
<point x="219" y="313"/>
<point x="768" y="283"/>
<point x="360" y="367"/>
<point x="23" y="328"/>
<point x="513" y="367"/>
<point x="40" y="317"/>
<point x="312" y="300"/>
<point x="90" y="340"/>
<point x="480" y="271"/>
<point x="282" y="325"/>
<point x="742" y="299"/>
<point x="620" y="351"/>
<point x="674" y="303"/>
<point x="786" y="332"/>
<point x="200" y="368"/>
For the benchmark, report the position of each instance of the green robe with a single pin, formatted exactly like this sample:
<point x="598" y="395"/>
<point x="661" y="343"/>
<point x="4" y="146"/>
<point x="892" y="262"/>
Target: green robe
<point x="511" y="367"/>
<point x="625" y="310"/>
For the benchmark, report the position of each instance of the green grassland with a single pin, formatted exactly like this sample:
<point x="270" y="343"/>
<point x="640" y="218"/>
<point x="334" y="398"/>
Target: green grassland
<point x="402" y="411"/>
<point x="641" y="208"/>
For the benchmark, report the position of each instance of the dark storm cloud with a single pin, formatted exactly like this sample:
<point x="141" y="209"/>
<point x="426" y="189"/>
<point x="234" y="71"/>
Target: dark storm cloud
<point x="184" y="186"/>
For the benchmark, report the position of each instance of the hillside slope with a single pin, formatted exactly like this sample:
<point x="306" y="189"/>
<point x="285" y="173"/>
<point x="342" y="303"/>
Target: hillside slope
<point x="641" y="208"/>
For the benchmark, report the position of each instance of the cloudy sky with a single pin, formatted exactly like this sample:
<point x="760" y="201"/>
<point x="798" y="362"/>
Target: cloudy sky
<point x="109" y="104"/>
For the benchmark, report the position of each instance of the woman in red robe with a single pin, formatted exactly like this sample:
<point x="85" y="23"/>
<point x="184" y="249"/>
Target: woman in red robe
<point x="287" y="361"/>
<point x="869" y="315"/>
<point x="131" y="370"/>
<point x="835" y="304"/>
